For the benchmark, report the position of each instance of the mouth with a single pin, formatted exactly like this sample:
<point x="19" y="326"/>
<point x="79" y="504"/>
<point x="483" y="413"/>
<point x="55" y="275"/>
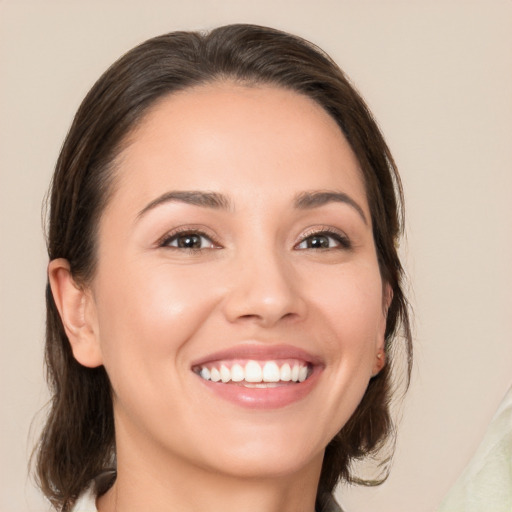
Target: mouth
<point x="256" y="374"/>
<point x="259" y="376"/>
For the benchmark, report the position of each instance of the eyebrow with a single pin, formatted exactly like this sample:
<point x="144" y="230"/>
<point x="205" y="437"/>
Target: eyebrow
<point x="317" y="198"/>
<point x="303" y="201"/>
<point x="194" y="197"/>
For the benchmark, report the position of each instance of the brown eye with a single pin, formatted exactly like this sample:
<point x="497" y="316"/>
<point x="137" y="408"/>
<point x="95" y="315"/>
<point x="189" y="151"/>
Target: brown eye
<point x="318" y="242"/>
<point x="324" y="240"/>
<point x="189" y="241"/>
<point x="194" y="241"/>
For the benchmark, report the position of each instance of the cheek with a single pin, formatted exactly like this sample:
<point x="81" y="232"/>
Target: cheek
<point x="349" y="318"/>
<point x="350" y="300"/>
<point x="147" y="314"/>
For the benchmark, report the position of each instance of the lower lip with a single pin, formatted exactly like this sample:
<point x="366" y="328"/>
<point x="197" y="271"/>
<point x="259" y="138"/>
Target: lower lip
<point x="264" y="398"/>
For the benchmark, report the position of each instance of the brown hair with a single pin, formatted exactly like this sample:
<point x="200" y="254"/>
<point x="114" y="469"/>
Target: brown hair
<point x="78" y="443"/>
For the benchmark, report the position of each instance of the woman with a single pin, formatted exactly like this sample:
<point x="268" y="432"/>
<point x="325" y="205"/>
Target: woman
<point x="224" y="286"/>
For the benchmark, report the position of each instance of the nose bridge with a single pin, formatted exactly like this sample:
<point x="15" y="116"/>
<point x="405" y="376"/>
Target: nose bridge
<point x="264" y="288"/>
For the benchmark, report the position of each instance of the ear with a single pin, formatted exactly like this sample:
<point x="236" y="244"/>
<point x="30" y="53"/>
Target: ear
<point x="380" y="352"/>
<point x="78" y="313"/>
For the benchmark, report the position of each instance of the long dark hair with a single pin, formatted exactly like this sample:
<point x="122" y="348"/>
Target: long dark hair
<point x="77" y="443"/>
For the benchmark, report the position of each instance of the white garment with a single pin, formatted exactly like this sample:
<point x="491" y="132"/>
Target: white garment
<point x="87" y="502"/>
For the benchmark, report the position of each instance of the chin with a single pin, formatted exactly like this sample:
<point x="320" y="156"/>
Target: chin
<point x="268" y="464"/>
<point x="265" y="452"/>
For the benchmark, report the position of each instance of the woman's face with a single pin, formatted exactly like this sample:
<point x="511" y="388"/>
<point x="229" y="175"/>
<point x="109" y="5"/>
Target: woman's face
<point x="235" y="254"/>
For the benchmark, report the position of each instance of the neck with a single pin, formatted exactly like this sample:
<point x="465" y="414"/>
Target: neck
<point x="160" y="484"/>
<point x="204" y="494"/>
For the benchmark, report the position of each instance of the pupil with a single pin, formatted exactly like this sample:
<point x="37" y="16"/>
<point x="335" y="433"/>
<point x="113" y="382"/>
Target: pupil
<point x="189" y="241"/>
<point x="319" y="242"/>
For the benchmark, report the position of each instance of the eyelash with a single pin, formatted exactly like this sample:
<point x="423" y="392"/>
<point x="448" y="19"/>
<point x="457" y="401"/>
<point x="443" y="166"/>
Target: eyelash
<point x="340" y="238"/>
<point x="181" y="232"/>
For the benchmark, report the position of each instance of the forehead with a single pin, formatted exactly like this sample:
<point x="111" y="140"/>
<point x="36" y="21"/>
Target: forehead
<point x="230" y="138"/>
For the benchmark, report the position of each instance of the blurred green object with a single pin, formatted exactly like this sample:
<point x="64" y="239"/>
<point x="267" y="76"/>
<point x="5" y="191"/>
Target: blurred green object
<point x="486" y="483"/>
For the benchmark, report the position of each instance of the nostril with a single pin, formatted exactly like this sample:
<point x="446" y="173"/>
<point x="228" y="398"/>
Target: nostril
<point x="264" y="294"/>
<point x="268" y="318"/>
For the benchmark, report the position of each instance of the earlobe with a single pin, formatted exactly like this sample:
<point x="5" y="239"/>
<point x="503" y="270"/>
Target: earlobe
<point x="380" y="356"/>
<point x="379" y="363"/>
<point x="77" y="312"/>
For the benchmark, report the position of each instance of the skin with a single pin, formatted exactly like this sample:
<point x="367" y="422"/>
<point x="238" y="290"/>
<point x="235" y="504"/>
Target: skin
<point x="153" y="309"/>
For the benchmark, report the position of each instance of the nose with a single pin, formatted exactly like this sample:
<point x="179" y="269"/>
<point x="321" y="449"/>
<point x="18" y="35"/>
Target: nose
<point x="265" y="290"/>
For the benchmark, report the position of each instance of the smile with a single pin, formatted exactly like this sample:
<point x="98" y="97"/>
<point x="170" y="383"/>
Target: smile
<point x="254" y="373"/>
<point x="259" y="376"/>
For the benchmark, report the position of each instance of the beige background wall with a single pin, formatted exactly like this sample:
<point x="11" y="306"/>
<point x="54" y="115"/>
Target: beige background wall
<point x="438" y="76"/>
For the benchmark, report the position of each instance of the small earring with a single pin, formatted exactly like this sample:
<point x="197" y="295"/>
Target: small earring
<point x="381" y="361"/>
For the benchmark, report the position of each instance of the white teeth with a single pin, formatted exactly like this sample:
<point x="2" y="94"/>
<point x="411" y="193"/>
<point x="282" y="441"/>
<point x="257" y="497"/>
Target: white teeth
<point x="271" y="372"/>
<point x="253" y="372"/>
<point x="286" y="372"/>
<point x="256" y="374"/>
<point x="237" y="373"/>
<point x="225" y="374"/>
<point x="295" y="373"/>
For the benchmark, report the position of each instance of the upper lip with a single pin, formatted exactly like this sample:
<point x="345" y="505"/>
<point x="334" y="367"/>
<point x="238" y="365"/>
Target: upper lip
<point x="260" y="352"/>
